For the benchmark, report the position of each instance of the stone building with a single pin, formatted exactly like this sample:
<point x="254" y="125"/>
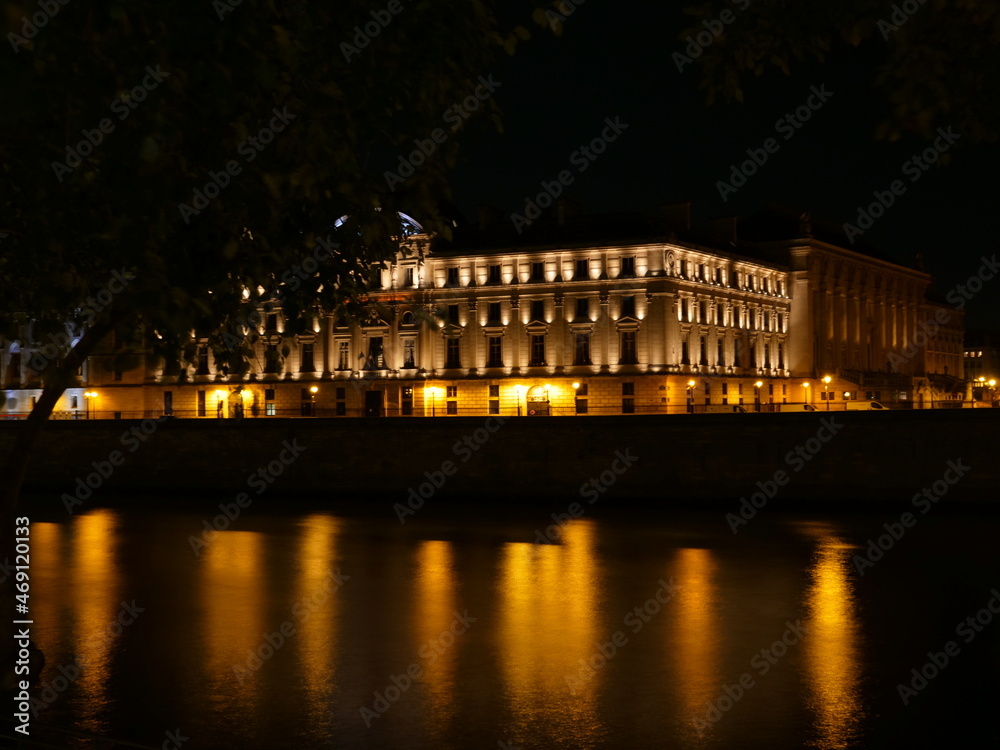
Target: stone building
<point x="579" y="315"/>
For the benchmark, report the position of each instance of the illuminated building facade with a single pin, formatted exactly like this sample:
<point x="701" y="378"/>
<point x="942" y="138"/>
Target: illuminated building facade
<point x="582" y="315"/>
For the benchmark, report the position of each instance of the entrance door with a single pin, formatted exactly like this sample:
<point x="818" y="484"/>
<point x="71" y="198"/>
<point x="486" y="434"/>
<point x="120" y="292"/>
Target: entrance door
<point x="373" y="403"/>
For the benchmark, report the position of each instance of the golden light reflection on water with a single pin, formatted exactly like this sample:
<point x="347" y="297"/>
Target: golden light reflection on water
<point x="695" y="637"/>
<point x="548" y="600"/>
<point x="47" y="564"/>
<point x="232" y="596"/>
<point x="314" y="612"/>
<point x="831" y="646"/>
<point x="97" y="601"/>
<point x="434" y="613"/>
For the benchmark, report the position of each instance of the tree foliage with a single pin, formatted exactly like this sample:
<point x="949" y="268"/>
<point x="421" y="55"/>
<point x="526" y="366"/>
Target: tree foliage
<point x="935" y="58"/>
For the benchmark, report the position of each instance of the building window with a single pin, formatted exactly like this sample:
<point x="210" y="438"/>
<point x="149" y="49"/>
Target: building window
<point x="628" y="406"/>
<point x="452" y="391"/>
<point x="453" y="314"/>
<point x="376" y="357"/>
<point x="308" y="363"/>
<point x="537" y="351"/>
<point x="408" y="277"/>
<point x="343" y="355"/>
<point x="409" y="354"/>
<point x="582" y="309"/>
<point x="718" y="276"/>
<point x="306" y="403"/>
<point x="628" y="389"/>
<point x="628" y="307"/>
<point x="721" y="354"/>
<point x="702" y="351"/>
<point x="451" y="407"/>
<point x="685" y="358"/>
<point x="725" y="389"/>
<point x="168" y="402"/>
<point x="582" y="272"/>
<point x="493" y="274"/>
<point x="581" y="349"/>
<point x="269" y="407"/>
<point x="272" y="359"/>
<point x="781" y="356"/>
<point x="493" y="313"/>
<point x="753" y="319"/>
<point x="407" y="401"/>
<point x="538" y="310"/>
<point x="494" y="391"/>
<point x="753" y="354"/>
<point x="628" y="353"/>
<point x="720" y="315"/>
<point x="582" y="404"/>
<point x="452" y="277"/>
<point x="494" y="353"/>
<point x="538" y="272"/>
<point x="202" y="360"/>
<point x="628" y="268"/>
<point x="684" y="269"/>
<point x="452" y="353"/>
<point x="201" y="404"/>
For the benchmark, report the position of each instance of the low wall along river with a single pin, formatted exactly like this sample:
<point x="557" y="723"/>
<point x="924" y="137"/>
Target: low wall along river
<point x="833" y="457"/>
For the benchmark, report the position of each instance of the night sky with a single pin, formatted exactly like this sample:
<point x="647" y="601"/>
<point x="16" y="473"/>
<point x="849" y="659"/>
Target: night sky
<point x="612" y="62"/>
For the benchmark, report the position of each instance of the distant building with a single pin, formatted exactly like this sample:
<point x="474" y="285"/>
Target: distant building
<point x="580" y="315"/>
<point x="982" y="364"/>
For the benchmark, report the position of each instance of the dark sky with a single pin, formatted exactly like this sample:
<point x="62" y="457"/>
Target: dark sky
<point x="614" y="60"/>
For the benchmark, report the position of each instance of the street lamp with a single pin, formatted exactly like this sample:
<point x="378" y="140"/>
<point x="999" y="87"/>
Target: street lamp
<point x="756" y="394"/>
<point x="433" y="391"/>
<point x="805" y="392"/>
<point x="220" y="396"/>
<point x="90" y="396"/>
<point x="517" y="395"/>
<point x="826" y="391"/>
<point x="691" y="385"/>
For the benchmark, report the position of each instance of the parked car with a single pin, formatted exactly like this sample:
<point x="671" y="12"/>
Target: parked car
<point x="724" y="409"/>
<point x="795" y="407"/>
<point x="865" y="406"/>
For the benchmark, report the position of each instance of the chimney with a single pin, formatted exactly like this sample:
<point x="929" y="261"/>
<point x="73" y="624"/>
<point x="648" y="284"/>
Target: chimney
<point x="722" y="229"/>
<point x="567" y="209"/>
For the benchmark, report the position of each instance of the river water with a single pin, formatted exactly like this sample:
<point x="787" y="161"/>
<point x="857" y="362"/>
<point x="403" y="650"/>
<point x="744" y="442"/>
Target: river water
<point x="323" y="630"/>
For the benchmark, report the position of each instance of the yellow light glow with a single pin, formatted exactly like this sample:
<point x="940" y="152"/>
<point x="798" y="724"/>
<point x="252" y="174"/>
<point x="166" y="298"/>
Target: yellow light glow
<point x="220" y="395"/>
<point x="827" y="379"/>
<point x="805" y="385"/>
<point x="759" y="384"/>
<point x="314" y="389"/>
<point x="575" y="386"/>
<point x="992" y="383"/>
<point x="690" y="384"/>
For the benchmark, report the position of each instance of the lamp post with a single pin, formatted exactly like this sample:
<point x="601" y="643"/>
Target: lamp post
<point x="826" y="391"/>
<point x="90" y="396"/>
<point x="313" y="390"/>
<point x="517" y="395"/>
<point x="805" y="392"/>
<point x="576" y="398"/>
<point x="756" y="394"/>
<point x="691" y="385"/>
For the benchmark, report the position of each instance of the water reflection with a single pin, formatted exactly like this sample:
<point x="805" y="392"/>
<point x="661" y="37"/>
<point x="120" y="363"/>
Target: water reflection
<point x="549" y="632"/>
<point x="833" y="670"/>
<point x="96" y="601"/>
<point x="314" y="614"/>
<point x="232" y="599"/>
<point x="695" y="639"/>
<point x="434" y="613"/>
